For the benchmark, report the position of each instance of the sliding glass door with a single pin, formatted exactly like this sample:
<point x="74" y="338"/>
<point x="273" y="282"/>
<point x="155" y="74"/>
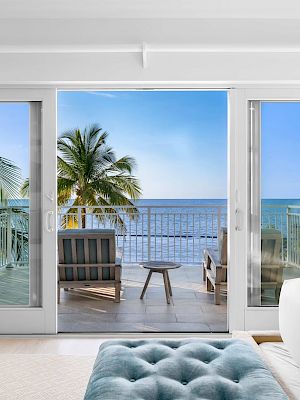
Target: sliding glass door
<point x="275" y="203"/>
<point x="267" y="217"/>
<point x="27" y="211"/>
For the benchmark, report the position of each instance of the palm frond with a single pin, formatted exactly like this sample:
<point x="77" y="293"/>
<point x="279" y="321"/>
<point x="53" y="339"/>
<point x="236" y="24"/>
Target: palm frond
<point x="10" y="180"/>
<point x="65" y="188"/>
<point x="25" y="188"/>
<point x="124" y="164"/>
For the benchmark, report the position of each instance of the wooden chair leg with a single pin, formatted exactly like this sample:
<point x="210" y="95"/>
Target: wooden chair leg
<point x="146" y="285"/>
<point x="209" y="286"/>
<point x="217" y="294"/>
<point x="58" y="294"/>
<point x="204" y="272"/>
<point x="117" y="292"/>
<point x="169" y="283"/>
<point x="166" y="283"/>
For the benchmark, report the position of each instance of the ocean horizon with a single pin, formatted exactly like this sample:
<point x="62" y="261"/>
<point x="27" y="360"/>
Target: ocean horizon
<point x="180" y="202"/>
<point x="173" y="229"/>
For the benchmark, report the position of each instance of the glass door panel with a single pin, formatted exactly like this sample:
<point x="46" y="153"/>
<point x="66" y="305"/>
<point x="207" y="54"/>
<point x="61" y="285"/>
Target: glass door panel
<point x="275" y="199"/>
<point x="27" y="211"/>
<point x="20" y="203"/>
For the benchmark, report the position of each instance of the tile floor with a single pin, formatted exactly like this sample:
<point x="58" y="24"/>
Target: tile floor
<point x="192" y="309"/>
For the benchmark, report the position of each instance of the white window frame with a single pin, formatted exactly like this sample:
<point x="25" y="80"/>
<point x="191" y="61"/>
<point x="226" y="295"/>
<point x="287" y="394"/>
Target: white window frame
<point x="42" y="319"/>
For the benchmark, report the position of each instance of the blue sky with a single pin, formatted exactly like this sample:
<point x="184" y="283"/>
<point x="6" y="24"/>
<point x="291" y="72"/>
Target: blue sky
<point x="14" y="129"/>
<point x="177" y="138"/>
<point x="280" y="125"/>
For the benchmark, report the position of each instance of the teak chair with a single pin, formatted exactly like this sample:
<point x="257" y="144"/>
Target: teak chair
<point x="87" y="259"/>
<point x="215" y="264"/>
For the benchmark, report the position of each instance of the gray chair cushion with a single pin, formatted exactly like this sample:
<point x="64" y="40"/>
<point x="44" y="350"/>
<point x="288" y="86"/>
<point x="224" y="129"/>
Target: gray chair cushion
<point x="188" y="369"/>
<point x="92" y="243"/>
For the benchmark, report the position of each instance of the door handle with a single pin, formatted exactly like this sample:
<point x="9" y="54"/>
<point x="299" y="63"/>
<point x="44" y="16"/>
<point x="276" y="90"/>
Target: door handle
<point x="238" y="219"/>
<point x="50" y="221"/>
<point x="50" y="196"/>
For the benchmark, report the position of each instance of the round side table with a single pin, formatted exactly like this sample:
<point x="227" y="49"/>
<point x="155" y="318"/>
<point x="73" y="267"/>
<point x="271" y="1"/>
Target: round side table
<point x="162" y="267"/>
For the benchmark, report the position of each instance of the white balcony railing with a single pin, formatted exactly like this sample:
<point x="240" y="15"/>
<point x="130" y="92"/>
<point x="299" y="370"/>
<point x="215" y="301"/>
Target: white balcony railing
<point x="14" y="228"/>
<point x="178" y="233"/>
<point x="173" y="233"/>
<point x="293" y="243"/>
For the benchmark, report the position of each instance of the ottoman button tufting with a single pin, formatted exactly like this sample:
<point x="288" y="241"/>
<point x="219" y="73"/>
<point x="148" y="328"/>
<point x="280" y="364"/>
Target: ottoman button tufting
<point x="184" y="368"/>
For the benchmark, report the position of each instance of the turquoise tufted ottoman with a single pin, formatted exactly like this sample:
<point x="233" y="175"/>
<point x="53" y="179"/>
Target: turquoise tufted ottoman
<point x="188" y="369"/>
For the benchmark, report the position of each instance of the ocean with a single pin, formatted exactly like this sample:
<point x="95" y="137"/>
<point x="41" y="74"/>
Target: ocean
<point x="175" y="229"/>
<point x="180" y="229"/>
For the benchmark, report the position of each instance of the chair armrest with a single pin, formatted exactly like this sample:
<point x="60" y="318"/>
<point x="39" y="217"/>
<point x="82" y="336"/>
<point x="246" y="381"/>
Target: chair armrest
<point x="209" y="253"/>
<point x="273" y="266"/>
<point x="119" y="256"/>
<point x="216" y="271"/>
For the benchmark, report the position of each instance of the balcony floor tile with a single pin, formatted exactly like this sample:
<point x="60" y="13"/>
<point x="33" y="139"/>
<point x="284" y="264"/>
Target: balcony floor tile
<point x="192" y="309"/>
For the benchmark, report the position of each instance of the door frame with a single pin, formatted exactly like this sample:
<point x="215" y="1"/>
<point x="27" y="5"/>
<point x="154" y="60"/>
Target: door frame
<point x="42" y="319"/>
<point x="241" y="316"/>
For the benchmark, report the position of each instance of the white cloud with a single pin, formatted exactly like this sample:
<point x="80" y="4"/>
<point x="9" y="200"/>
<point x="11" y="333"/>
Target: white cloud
<point x="103" y="94"/>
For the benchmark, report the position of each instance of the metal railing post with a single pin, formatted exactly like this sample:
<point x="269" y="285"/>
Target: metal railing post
<point x="79" y="218"/>
<point x="287" y="235"/>
<point x="9" y="238"/>
<point x="219" y="221"/>
<point x="149" y="233"/>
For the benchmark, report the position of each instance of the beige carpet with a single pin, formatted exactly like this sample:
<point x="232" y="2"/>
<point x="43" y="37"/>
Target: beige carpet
<point x="44" y="377"/>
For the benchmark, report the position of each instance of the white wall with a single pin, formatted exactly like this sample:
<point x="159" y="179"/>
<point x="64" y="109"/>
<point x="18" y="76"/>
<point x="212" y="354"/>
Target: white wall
<point x="208" y="51"/>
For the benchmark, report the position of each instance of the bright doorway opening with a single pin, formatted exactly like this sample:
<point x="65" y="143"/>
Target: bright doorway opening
<point x="146" y="171"/>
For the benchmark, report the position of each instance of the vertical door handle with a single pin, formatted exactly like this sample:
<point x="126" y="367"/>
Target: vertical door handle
<point x="50" y="221"/>
<point x="238" y="220"/>
<point x="50" y="196"/>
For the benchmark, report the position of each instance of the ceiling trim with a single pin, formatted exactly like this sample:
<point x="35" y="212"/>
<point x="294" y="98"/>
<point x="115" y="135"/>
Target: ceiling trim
<point x="143" y="48"/>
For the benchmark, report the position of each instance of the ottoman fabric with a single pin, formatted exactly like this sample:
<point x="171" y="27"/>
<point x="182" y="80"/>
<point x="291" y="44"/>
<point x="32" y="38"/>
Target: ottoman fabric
<point x="188" y="369"/>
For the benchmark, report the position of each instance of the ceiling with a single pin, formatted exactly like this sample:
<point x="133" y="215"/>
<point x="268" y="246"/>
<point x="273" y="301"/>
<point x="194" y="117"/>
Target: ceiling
<point x="207" y="34"/>
<point x="98" y="25"/>
<point x="68" y="9"/>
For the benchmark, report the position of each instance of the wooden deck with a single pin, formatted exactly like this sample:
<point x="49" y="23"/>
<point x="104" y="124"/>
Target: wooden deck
<point x="14" y="286"/>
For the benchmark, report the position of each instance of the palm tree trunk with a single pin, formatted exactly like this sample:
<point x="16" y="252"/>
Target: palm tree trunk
<point x="83" y="218"/>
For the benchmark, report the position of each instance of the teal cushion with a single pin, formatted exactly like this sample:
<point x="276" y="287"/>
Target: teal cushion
<point x="189" y="369"/>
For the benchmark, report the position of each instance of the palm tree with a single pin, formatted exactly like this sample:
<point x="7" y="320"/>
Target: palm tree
<point x="90" y="174"/>
<point x="10" y="180"/>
